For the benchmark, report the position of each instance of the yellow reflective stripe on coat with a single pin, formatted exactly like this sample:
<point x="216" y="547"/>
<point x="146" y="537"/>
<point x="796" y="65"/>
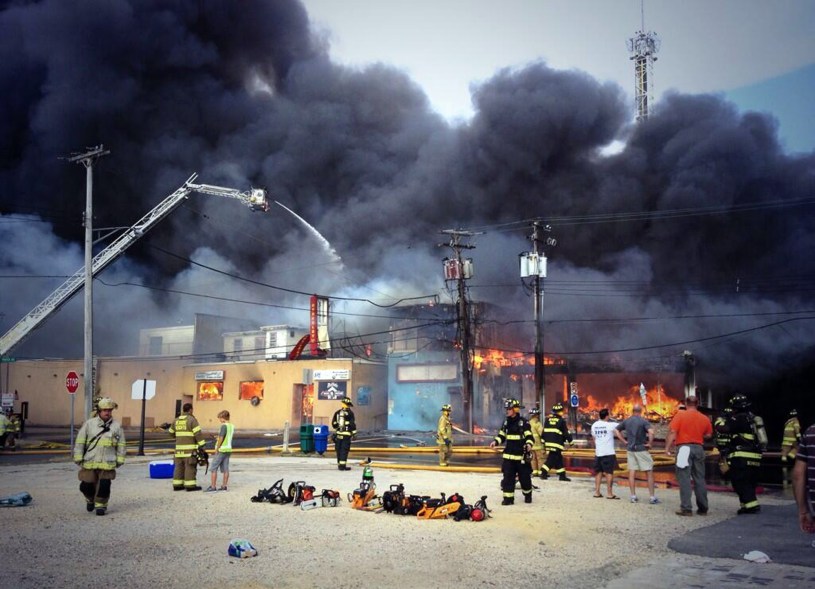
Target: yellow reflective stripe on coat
<point x="746" y="454"/>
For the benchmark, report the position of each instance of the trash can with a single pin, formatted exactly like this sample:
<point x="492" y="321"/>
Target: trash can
<point x="306" y="438"/>
<point x="320" y="438"/>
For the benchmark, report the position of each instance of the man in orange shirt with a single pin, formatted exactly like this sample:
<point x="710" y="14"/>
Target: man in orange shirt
<point x="689" y="430"/>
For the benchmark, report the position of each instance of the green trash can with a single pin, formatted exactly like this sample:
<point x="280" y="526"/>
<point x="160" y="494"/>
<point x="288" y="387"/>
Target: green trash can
<point x="306" y="438"/>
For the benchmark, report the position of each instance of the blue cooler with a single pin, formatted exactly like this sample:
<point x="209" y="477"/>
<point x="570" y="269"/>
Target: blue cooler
<point x="161" y="469"/>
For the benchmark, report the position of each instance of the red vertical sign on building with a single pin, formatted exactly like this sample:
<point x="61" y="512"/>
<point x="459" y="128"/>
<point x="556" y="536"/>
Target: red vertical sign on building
<point x="314" y="337"/>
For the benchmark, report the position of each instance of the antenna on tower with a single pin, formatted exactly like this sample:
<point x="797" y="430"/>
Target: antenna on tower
<point x="643" y="47"/>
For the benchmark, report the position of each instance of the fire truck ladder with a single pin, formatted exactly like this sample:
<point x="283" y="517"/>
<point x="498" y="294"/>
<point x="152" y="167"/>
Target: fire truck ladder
<point x="254" y="198"/>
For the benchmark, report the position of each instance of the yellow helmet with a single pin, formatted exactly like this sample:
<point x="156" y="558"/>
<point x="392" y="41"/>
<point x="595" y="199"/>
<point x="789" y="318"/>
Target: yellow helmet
<point x="106" y="403"/>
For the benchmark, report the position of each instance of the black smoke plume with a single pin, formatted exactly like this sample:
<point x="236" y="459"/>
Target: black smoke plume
<point x="696" y="235"/>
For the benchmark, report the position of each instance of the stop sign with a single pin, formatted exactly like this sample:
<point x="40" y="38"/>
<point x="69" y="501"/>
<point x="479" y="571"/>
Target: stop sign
<point x="72" y="382"/>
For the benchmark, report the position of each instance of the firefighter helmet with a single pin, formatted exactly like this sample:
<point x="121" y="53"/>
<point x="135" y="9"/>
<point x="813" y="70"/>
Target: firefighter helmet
<point x="740" y="402"/>
<point x="347" y="401"/>
<point x="557" y="407"/>
<point x="727" y="410"/>
<point x="512" y="404"/>
<point x="106" y="403"/>
<point x="447" y="408"/>
<point x="793" y="413"/>
<point x="534" y="411"/>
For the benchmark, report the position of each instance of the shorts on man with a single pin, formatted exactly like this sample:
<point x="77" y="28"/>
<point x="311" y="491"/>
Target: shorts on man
<point x="605" y="464"/>
<point x="640" y="460"/>
<point x="220" y="461"/>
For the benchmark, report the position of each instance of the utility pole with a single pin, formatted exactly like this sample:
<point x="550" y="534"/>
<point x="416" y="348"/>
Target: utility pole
<point x="533" y="265"/>
<point x="460" y="270"/>
<point x="87" y="159"/>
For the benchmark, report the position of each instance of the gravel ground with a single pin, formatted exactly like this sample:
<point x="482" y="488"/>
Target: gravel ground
<point x="153" y="537"/>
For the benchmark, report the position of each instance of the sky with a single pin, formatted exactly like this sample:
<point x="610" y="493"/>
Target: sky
<point x="381" y="124"/>
<point x="760" y="54"/>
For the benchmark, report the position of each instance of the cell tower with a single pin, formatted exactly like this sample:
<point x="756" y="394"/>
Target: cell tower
<point x="643" y="47"/>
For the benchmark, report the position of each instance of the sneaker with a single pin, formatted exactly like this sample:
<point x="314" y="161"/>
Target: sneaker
<point x="223" y="489"/>
<point x="655" y="501"/>
<point x="634" y="499"/>
<point x="210" y="489"/>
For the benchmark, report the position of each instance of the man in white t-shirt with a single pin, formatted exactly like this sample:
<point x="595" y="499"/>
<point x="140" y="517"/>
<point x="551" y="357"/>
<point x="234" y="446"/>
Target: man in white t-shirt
<point x="605" y="458"/>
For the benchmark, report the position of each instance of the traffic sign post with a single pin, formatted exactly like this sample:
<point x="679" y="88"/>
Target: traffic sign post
<point x="72" y="384"/>
<point x="574" y="403"/>
<point x="142" y="389"/>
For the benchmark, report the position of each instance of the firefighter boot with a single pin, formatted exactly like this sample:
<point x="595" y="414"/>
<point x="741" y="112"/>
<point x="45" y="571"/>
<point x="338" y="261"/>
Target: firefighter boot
<point x="508" y="501"/>
<point x="528" y="498"/>
<point x="544" y="475"/>
<point x="563" y="477"/>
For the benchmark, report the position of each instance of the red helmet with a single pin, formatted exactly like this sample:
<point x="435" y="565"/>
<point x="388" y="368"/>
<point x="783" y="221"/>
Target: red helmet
<point x="477" y="515"/>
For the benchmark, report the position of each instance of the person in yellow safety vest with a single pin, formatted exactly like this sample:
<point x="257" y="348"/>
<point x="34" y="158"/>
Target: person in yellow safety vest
<point x="223" y="451"/>
<point x="744" y="454"/>
<point x="188" y="439"/>
<point x="345" y="428"/>
<point x="444" y="435"/>
<point x="99" y="450"/>
<point x="555" y="437"/>
<point x="537" y="445"/>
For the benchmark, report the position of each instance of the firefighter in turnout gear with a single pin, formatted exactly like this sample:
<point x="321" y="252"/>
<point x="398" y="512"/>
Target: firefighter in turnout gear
<point x="6" y="430"/>
<point x="345" y="428"/>
<point x="99" y="451"/>
<point x="555" y="437"/>
<point x="747" y="442"/>
<point x="517" y="438"/>
<point x="721" y="439"/>
<point x="789" y="443"/>
<point x="444" y="435"/>
<point x="537" y="444"/>
<point x="188" y="439"/>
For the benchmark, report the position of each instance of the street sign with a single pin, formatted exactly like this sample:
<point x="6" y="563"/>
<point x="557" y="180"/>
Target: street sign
<point x="72" y="382"/>
<point x="574" y="400"/>
<point x="139" y="388"/>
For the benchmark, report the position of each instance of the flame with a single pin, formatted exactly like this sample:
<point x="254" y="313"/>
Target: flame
<point x="658" y="406"/>
<point x="484" y="357"/>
